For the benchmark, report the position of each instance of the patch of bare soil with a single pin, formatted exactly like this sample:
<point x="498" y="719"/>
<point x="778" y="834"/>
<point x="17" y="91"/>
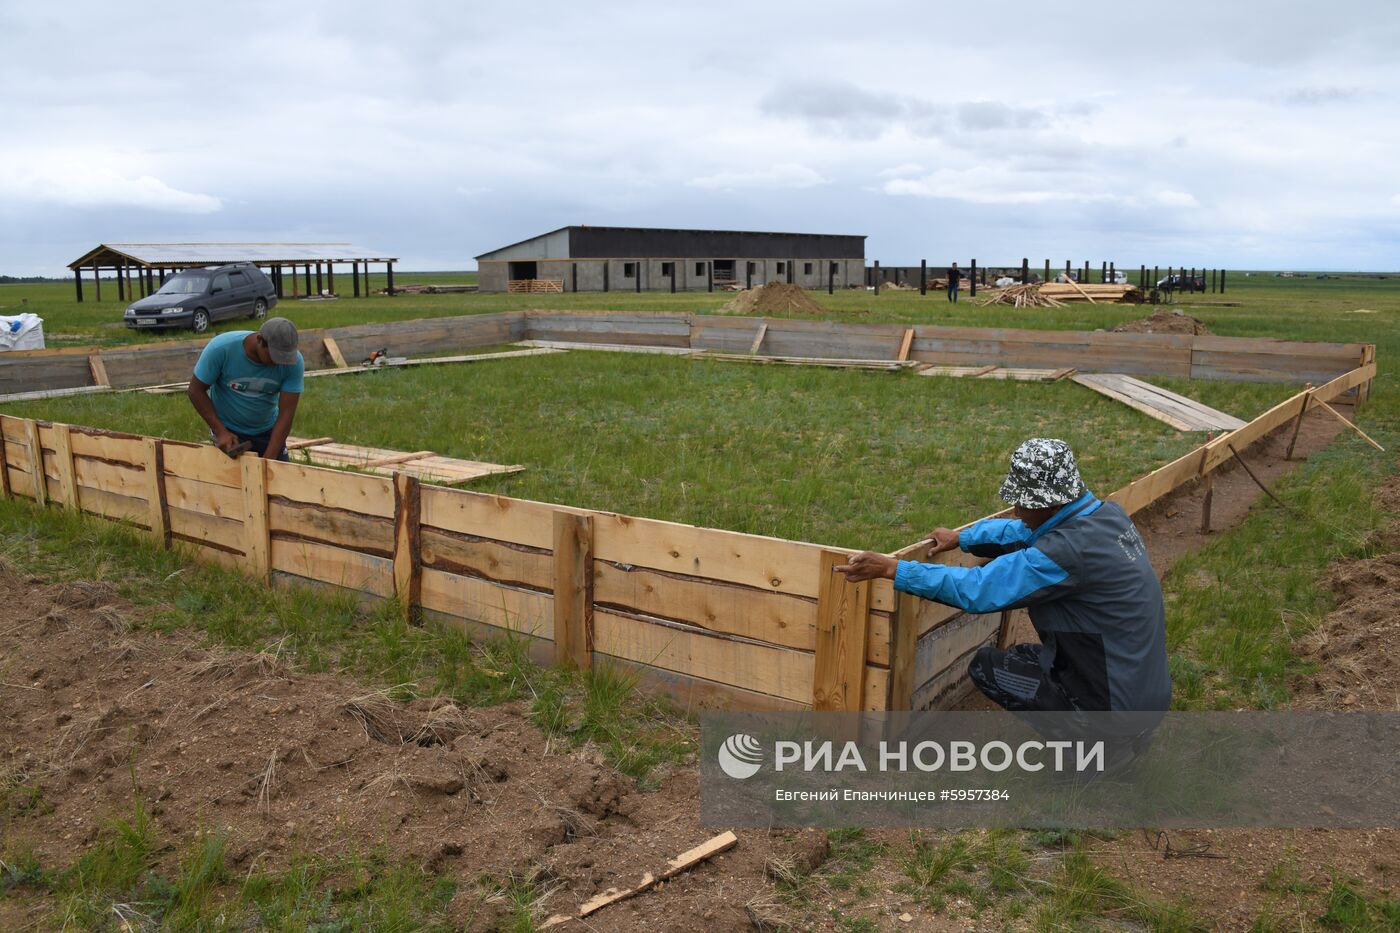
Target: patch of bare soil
<point x="287" y="763"/>
<point x="1164" y="322"/>
<point x="1357" y="666"/>
<point x="774" y="298"/>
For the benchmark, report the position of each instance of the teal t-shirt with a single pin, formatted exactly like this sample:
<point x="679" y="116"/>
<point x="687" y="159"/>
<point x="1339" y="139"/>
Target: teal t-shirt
<point x="244" y="392"/>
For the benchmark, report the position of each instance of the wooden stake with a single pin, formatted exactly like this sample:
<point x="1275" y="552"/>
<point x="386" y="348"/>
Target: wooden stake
<point x="843" y="626"/>
<point x="905" y="344"/>
<point x="408" y="550"/>
<point x="98" y="370"/>
<point x="36" y="461"/>
<point x="63" y="462"/>
<point x="4" y="471"/>
<point x="758" y="340"/>
<point x="686" y="860"/>
<point x="1342" y="418"/>
<point x="1209" y="481"/>
<point x="573" y="590"/>
<point x="333" y="351"/>
<point x="257" y="545"/>
<point x="904" y="636"/>
<point x="159" y="515"/>
<point x="1298" y="422"/>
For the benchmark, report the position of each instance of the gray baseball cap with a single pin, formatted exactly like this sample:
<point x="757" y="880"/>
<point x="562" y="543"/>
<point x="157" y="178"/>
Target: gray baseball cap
<point x="1043" y="475"/>
<point x="281" y="337"/>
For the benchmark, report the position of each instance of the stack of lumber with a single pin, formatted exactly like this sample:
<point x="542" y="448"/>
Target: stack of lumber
<point x="423" y="464"/>
<point x="1104" y="292"/>
<point x="535" y="286"/>
<point x="428" y="289"/>
<point x="1182" y="413"/>
<point x="1022" y="296"/>
<point x="998" y="372"/>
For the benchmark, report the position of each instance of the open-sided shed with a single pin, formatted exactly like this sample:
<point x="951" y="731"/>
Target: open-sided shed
<point x="141" y="267"/>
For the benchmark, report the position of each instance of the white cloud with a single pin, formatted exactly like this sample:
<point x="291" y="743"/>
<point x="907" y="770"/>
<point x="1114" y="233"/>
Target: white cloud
<point x="82" y="181"/>
<point x="784" y="175"/>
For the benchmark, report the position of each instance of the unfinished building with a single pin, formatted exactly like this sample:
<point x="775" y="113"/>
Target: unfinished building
<point x="600" y="259"/>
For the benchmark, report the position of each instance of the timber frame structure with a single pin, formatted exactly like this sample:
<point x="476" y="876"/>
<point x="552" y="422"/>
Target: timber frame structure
<point x="713" y="617"/>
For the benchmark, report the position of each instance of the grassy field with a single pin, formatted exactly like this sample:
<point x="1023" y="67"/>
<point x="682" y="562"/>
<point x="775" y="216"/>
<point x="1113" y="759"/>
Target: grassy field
<point x="841" y="457"/>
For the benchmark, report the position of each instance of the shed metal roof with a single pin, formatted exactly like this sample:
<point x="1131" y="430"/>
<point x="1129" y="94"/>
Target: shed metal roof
<point x="189" y="254"/>
<point x="589" y="242"/>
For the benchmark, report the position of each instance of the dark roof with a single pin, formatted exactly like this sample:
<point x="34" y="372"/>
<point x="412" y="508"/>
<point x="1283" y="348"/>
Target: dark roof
<point x="586" y="242"/>
<point x="214" y="254"/>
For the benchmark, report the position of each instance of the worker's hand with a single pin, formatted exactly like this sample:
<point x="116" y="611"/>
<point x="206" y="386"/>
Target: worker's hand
<point x="942" y="539"/>
<point x="867" y="565"/>
<point x="225" y="440"/>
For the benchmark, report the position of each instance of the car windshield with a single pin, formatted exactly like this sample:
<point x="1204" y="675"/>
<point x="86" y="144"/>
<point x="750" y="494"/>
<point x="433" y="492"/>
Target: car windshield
<point x="185" y="285"/>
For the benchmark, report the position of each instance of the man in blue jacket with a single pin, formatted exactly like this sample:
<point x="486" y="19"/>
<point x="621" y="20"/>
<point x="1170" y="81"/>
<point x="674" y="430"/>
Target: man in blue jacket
<point x="1078" y="565"/>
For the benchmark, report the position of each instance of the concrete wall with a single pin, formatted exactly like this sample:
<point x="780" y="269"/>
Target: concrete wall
<point x="691" y="274"/>
<point x="548" y="246"/>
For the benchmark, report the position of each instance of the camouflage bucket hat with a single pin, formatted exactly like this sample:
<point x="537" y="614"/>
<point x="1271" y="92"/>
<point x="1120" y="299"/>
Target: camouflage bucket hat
<point x="1043" y="475"/>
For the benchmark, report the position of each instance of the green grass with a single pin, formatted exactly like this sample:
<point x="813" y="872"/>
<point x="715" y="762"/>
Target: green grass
<point x="841" y="457"/>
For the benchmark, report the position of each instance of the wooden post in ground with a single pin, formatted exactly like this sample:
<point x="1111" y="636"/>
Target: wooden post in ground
<point x="1298" y="421"/>
<point x="330" y="277"/>
<point x="710" y="275"/>
<point x="972" y="279"/>
<point x="1208" y="480"/>
<point x="389" y="272"/>
<point x="158" y="513"/>
<point x="408" y="550"/>
<point x="1222" y="281"/>
<point x="1103" y="273"/>
<point x="904" y="635"/>
<point x="1067" y="270"/>
<point x="843" y="627"/>
<point x="78" y="282"/>
<point x="257" y="543"/>
<point x="1025" y="270"/>
<point x="1047" y="271"/>
<point x="63" y="463"/>
<point x="4" y="471"/>
<point x="830" y="278"/>
<point x="36" y="461"/>
<point x="355" y="277"/>
<point x="573" y="590"/>
<point x="876" y="276"/>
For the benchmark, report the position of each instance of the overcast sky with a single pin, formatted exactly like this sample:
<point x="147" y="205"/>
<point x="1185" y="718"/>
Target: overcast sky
<point x="1241" y="134"/>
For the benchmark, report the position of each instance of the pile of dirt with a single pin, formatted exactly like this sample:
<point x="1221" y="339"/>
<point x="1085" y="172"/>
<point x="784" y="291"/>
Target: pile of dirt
<point x="1164" y="322"/>
<point x="95" y="715"/>
<point x="774" y="298"/>
<point x="1356" y="666"/>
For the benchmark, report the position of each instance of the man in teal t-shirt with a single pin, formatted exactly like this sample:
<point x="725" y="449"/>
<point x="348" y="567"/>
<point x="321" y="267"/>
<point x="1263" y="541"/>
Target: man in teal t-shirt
<point x="246" y="386"/>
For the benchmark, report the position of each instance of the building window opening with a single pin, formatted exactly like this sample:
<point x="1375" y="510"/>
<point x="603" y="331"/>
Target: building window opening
<point x="806" y="268"/>
<point x="629" y="270"/>
<point x="668" y="269"/>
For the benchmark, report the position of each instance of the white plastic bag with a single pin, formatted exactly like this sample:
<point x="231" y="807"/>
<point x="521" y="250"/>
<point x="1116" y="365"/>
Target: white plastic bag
<point x="21" y="332"/>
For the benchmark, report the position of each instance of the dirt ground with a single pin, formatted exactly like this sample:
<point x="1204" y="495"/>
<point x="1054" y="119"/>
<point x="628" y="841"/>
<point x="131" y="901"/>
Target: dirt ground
<point x="1164" y="322"/>
<point x="289" y="763"/>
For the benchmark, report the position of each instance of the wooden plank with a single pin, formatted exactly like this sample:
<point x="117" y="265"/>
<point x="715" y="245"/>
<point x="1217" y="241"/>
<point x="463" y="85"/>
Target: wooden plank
<point x="399" y="458"/>
<point x="905" y="344"/>
<point x="13" y="429"/>
<point x="903" y="641"/>
<point x="202" y="462"/>
<point x="100" y="445"/>
<point x="21" y="482"/>
<point x="762" y="668"/>
<point x="209" y="498"/>
<point x="573" y="590"/>
<point x="758" y="338"/>
<point x="1104" y="387"/>
<point x="518" y="521"/>
<point x="110" y="477"/>
<point x="157" y="513"/>
<point x="331" y="526"/>
<point x="63" y="460"/>
<point x="338" y="566"/>
<point x="1168" y="403"/>
<point x="115" y="507"/>
<point x="36" y="462"/>
<point x="562" y="345"/>
<point x="300" y="442"/>
<point x="99" y="371"/>
<point x="335" y="489"/>
<point x="41" y="394"/>
<point x="501" y="607"/>
<point x="408" y="558"/>
<point x="257" y="538"/>
<point x="200" y="527"/>
<point x="843" y="624"/>
<point x="333" y="351"/>
<point x="498" y="562"/>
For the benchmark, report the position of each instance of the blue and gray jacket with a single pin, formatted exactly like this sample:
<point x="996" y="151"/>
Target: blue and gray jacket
<point x="1093" y="597"/>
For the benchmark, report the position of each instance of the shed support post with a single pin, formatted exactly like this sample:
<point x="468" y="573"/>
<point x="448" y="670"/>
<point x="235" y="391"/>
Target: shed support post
<point x="710" y="275"/>
<point x="330" y="277"/>
<point x="121" y="281"/>
<point x="78" y="282"/>
<point x="877" y="276"/>
<point x="320" y="285"/>
<point x="923" y="276"/>
<point x="308" y="279"/>
<point x="355" y="275"/>
<point x="97" y="279"/>
<point x="389" y="271"/>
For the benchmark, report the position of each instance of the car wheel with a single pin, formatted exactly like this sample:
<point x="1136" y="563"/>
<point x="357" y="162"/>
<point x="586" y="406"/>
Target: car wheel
<point x="260" y="309"/>
<point x="200" y="322"/>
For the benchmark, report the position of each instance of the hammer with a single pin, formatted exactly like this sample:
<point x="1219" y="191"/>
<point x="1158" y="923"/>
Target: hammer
<point x="237" y="449"/>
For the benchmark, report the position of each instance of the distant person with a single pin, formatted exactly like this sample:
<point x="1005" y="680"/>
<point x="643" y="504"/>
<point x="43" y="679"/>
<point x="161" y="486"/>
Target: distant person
<point x="246" y="386"/>
<point x="1080" y="567"/>
<point x="954" y="280"/>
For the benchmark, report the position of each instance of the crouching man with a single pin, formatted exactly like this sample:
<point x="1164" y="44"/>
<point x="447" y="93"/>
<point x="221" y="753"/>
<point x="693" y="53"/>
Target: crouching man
<point x="246" y="386"/>
<point x="1078" y="565"/>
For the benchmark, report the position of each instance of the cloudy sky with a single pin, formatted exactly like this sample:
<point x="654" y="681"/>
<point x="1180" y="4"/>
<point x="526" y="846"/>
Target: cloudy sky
<point x="1245" y="134"/>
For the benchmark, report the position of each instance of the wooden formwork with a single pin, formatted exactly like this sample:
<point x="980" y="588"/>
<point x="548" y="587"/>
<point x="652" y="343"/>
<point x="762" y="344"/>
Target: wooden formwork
<point x="714" y="617"/>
